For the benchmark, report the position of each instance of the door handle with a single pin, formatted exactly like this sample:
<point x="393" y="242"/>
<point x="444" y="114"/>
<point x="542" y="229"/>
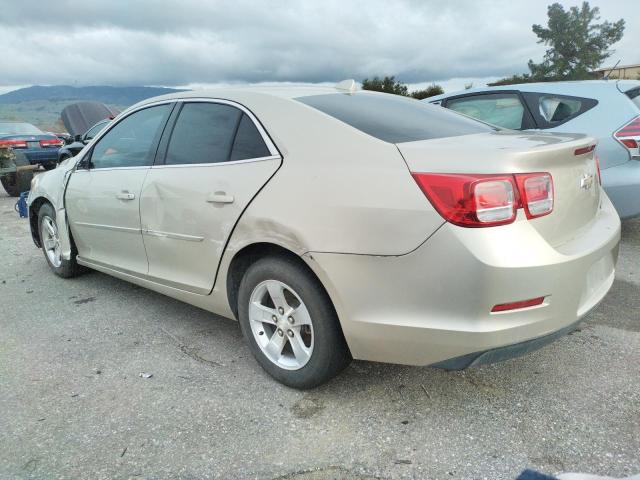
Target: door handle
<point x="125" y="196"/>
<point x="220" y="197"/>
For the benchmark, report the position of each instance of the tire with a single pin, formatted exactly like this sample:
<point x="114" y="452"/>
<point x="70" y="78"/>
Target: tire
<point x="50" y="165"/>
<point x="16" y="183"/>
<point x="307" y="319"/>
<point x="48" y="239"/>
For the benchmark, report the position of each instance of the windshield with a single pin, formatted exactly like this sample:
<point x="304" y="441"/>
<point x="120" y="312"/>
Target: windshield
<point x="634" y="95"/>
<point x="393" y="118"/>
<point x="13" y="128"/>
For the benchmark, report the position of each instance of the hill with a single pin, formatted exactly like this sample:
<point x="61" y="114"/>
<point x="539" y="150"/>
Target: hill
<point x="41" y="106"/>
<point x="105" y="94"/>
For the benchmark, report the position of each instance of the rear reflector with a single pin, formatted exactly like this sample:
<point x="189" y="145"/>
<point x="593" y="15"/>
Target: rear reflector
<point x="480" y="200"/>
<point x="502" y="307"/>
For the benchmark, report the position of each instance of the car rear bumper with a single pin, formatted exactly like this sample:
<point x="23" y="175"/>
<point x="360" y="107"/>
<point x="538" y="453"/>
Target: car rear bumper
<point x="434" y="304"/>
<point x="41" y="155"/>
<point x="622" y="184"/>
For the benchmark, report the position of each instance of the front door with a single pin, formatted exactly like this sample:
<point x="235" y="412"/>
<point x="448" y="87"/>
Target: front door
<point x="216" y="160"/>
<point x="103" y="194"/>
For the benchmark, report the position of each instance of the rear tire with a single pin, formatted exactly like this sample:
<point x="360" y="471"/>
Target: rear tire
<point x="304" y="347"/>
<point x="50" y="243"/>
<point x="50" y="165"/>
<point x="18" y="182"/>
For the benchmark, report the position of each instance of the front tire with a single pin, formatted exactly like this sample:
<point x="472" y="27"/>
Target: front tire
<point x="290" y="323"/>
<point x="50" y="243"/>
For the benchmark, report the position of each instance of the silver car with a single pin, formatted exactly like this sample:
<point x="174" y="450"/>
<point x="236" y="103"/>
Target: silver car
<point x="338" y="224"/>
<point x="608" y="110"/>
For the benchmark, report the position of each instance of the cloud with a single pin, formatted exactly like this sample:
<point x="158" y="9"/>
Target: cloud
<point x="126" y="42"/>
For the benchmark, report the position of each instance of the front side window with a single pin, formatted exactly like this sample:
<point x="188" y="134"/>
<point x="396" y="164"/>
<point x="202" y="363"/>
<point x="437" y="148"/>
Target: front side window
<point x="213" y="133"/>
<point x="130" y="142"/>
<point x="501" y="109"/>
<point x="558" y="109"/>
<point x="392" y="118"/>
<point x="93" y="131"/>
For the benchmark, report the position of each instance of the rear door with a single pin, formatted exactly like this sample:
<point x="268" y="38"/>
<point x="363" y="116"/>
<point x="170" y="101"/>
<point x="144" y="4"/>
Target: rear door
<point x="211" y="164"/>
<point x="103" y="195"/>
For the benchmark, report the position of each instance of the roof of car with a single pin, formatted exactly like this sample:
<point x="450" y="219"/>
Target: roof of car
<point x="237" y="93"/>
<point x="568" y="87"/>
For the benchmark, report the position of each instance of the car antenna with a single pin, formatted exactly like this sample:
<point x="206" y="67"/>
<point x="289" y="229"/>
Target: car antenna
<point x="606" y="77"/>
<point x="349" y="85"/>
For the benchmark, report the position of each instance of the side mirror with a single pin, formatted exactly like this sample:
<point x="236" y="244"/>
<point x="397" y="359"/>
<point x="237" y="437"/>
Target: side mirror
<point x="77" y="138"/>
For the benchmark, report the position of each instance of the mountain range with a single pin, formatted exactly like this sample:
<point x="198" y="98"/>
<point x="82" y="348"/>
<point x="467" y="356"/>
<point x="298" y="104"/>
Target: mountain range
<point x="41" y="105"/>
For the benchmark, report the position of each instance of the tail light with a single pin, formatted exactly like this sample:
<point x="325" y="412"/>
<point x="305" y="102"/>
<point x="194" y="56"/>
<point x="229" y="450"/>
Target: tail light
<point x="629" y="136"/>
<point x="13" y="143"/>
<point x="536" y="193"/>
<point x="487" y="200"/>
<point x="598" y="168"/>
<point x="52" y="142"/>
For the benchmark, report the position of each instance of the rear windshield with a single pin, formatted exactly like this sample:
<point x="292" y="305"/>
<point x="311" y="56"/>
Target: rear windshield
<point x="12" y="128"/>
<point x="634" y="95"/>
<point x="393" y="118"/>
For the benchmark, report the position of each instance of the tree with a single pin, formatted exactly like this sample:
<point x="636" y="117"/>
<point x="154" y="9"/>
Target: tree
<point x="430" y="91"/>
<point x="386" y="85"/>
<point x="577" y="44"/>
<point x="391" y="85"/>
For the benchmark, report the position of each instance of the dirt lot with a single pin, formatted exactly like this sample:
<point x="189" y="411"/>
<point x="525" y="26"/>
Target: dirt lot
<point x="72" y="403"/>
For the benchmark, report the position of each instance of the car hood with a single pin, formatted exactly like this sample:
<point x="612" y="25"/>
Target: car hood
<point x="79" y="117"/>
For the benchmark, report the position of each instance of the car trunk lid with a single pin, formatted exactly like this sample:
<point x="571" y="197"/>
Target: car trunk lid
<point x="567" y="157"/>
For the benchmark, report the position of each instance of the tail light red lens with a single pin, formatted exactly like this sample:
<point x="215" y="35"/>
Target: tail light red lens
<point x="470" y="200"/>
<point x="487" y="200"/>
<point x="629" y="136"/>
<point x="536" y="193"/>
<point x="53" y="142"/>
<point x="13" y="143"/>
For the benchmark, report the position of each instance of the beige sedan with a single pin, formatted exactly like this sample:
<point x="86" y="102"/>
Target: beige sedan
<point x="338" y="224"/>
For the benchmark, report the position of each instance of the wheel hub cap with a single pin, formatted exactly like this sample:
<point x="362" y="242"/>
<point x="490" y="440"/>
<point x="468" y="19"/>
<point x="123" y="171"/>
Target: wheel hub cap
<point x="281" y="324"/>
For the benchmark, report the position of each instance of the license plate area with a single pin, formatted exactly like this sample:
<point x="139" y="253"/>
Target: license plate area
<point x="33" y="144"/>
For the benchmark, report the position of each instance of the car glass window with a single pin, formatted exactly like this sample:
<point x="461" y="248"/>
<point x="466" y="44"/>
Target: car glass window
<point x="203" y="133"/>
<point x="14" y="128"/>
<point x="248" y="142"/>
<point x="634" y="95"/>
<point x="128" y="144"/>
<point x="558" y="109"/>
<point x="393" y="118"/>
<point x="93" y="131"/>
<point x="502" y="109"/>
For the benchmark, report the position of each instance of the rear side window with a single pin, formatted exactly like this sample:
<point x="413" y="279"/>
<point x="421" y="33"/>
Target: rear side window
<point x="501" y="109"/>
<point x="558" y="109"/>
<point x="392" y="118"/>
<point x="248" y="142"/>
<point x="213" y="133"/>
<point x="634" y="95"/>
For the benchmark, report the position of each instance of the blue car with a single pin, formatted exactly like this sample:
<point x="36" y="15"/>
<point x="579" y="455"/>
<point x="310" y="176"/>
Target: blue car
<point x="38" y="147"/>
<point x="607" y="110"/>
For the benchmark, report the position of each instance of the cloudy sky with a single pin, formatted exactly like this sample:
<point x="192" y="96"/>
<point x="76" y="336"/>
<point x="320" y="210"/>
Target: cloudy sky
<point x="197" y="42"/>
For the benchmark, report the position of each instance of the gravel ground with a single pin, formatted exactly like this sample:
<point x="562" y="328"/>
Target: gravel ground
<point x="72" y="403"/>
